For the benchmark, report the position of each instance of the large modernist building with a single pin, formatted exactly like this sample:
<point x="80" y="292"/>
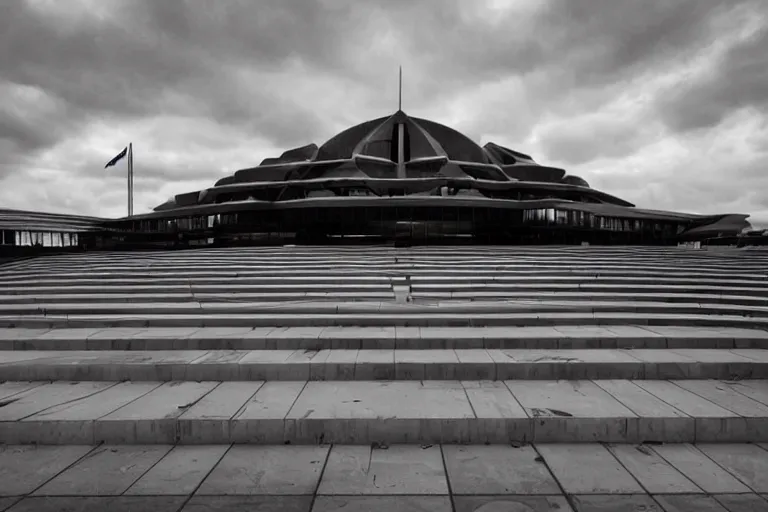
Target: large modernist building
<point x="396" y="178"/>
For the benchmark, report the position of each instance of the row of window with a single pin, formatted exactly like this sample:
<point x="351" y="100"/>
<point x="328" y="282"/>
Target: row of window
<point x="197" y="222"/>
<point x="541" y="216"/>
<point x="552" y="216"/>
<point x="40" y="238"/>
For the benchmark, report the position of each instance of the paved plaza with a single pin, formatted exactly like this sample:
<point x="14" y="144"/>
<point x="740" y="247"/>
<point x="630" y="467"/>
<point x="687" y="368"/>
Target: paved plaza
<point x="485" y="478"/>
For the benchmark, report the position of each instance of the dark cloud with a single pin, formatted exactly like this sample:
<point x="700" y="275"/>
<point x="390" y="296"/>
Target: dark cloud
<point x="205" y="87"/>
<point x="737" y="81"/>
<point x="581" y="140"/>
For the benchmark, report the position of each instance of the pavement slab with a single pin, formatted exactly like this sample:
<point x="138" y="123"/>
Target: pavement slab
<point x="248" y="503"/>
<point x="105" y="471"/>
<point x="397" y="469"/>
<point x="588" y="469"/>
<point x="700" y="469"/>
<point x="614" y="503"/>
<point x="25" y="468"/>
<point x="747" y="462"/>
<point x="497" y="470"/>
<point x="655" y="474"/>
<point x="180" y="472"/>
<point x="6" y="503"/>
<point x="376" y="503"/>
<point x="282" y="470"/>
<point x="742" y="502"/>
<point x="690" y="503"/>
<point x="99" y="504"/>
<point x="511" y="503"/>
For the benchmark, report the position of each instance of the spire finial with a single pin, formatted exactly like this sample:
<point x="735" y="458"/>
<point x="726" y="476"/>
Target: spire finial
<point x="400" y="91"/>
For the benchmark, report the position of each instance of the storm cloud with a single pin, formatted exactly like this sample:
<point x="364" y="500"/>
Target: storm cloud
<point x="660" y="102"/>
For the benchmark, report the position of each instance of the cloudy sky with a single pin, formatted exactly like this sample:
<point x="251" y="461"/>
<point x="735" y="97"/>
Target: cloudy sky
<point x="661" y="102"/>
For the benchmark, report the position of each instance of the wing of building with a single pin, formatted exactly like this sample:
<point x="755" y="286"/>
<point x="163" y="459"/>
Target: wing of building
<point x="393" y="178"/>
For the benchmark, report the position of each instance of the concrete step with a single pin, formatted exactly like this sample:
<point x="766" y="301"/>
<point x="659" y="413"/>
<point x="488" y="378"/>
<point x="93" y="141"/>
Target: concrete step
<point x="451" y="252"/>
<point x="443" y="290"/>
<point x="381" y="320"/>
<point x="110" y="296"/>
<point x="207" y="259"/>
<point x="386" y="364"/>
<point x="386" y="412"/>
<point x="366" y="281"/>
<point x="345" y="271"/>
<point x="189" y="288"/>
<point x="378" y="307"/>
<point x="722" y="288"/>
<point x="368" y="338"/>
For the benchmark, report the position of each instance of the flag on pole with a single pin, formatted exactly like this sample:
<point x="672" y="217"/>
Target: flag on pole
<point x="117" y="158"/>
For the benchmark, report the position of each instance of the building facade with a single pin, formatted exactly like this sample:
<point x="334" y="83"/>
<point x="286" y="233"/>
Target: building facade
<point x="397" y="178"/>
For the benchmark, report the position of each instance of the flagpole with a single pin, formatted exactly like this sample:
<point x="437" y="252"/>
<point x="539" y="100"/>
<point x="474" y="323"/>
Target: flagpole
<point x="130" y="179"/>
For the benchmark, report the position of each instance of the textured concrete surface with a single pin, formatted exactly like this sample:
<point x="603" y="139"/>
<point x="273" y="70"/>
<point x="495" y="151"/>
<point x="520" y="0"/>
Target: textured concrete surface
<point x="289" y="318"/>
<point x="546" y="478"/>
<point x="364" y="412"/>
<point x="168" y="358"/>
<point x="360" y="337"/>
<point x="389" y="364"/>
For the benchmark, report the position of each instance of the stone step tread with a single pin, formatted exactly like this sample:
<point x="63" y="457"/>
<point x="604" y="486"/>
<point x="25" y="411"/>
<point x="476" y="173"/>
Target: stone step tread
<point x="387" y="333"/>
<point x="403" y="338"/>
<point x="114" y="294"/>
<point x="364" y="412"/>
<point x="383" y="364"/>
<point x="459" y="291"/>
<point x="380" y="320"/>
<point x="341" y="270"/>
<point x="382" y="253"/>
<point x="378" y="253"/>
<point x="117" y="295"/>
<point x="384" y="307"/>
<point x="233" y="255"/>
<point x="362" y="280"/>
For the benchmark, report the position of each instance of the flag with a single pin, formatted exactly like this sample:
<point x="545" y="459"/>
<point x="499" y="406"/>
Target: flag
<point x="119" y="157"/>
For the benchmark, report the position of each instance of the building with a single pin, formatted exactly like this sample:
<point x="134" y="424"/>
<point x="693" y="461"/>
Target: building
<point x="396" y="178"/>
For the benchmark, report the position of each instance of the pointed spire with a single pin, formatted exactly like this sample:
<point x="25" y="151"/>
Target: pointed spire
<point x="400" y="91"/>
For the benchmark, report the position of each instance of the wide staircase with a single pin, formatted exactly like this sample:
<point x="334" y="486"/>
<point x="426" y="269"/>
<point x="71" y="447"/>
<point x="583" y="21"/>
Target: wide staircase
<point x="377" y="345"/>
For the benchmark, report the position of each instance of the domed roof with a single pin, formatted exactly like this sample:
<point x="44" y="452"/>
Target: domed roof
<point x="575" y="180"/>
<point x="422" y="139"/>
<point x="395" y="155"/>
